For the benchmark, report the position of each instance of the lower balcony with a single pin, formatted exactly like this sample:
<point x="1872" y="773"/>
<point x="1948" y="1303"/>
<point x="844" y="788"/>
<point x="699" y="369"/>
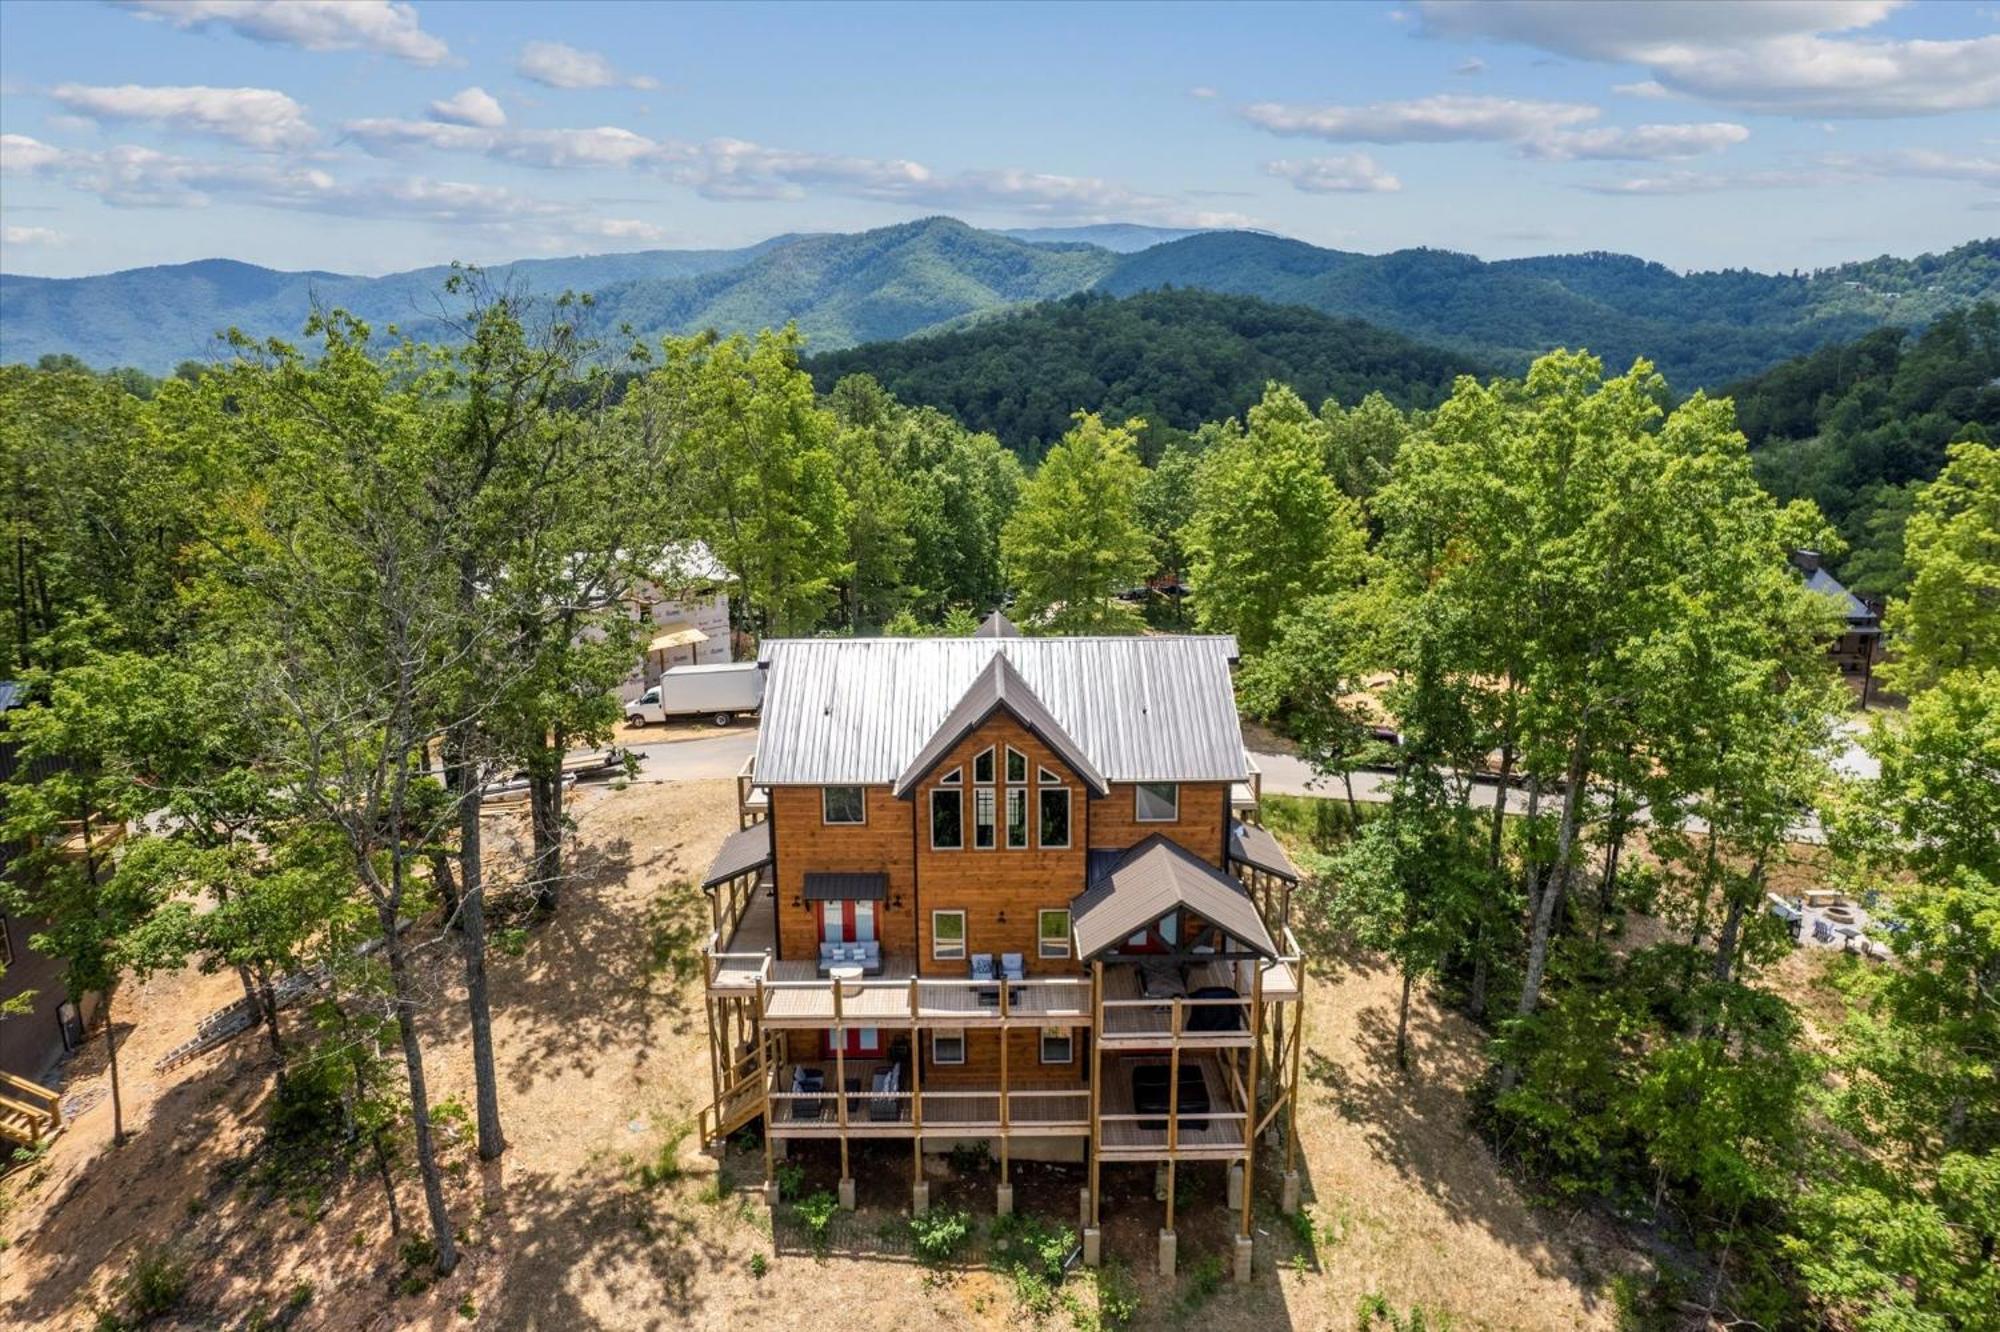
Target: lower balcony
<point x="1139" y="1120"/>
<point x="874" y="1107"/>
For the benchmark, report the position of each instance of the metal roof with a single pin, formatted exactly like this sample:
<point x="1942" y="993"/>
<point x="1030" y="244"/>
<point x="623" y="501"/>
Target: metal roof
<point x="1824" y="583"/>
<point x="1155" y="877"/>
<point x="859" y="710"/>
<point x="1254" y="846"/>
<point x="10" y="694"/>
<point x="996" y="687"/>
<point x="996" y="625"/>
<point x="741" y="852"/>
<point x="846" y="887"/>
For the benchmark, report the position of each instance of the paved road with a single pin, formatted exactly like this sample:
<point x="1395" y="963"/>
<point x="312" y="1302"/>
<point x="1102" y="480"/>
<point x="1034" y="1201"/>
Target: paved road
<point x="701" y="759"/>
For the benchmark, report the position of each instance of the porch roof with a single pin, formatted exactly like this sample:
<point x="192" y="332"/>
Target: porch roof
<point x="1155" y="877"/>
<point x="741" y="852"/>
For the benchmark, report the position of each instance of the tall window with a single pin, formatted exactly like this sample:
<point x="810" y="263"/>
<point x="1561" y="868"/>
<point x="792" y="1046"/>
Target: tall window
<point x="982" y="818"/>
<point x="947" y="935"/>
<point x="947" y="819"/>
<point x="1052" y="928"/>
<point x="1055" y="816"/>
<point x="982" y="766"/>
<point x="842" y="804"/>
<point x="1017" y="765"/>
<point x="1158" y="802"/>
<point x="1017" y="817"/>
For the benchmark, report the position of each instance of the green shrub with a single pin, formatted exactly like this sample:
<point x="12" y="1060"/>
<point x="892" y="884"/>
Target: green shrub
<point x="665" y="1167"/>
<point x="759" y="1265"/>
<point x="1204" y="1279"/>
<point x="937" y="1236"/>
<point x="791" y="1179"/>
<point x="1117" y="1297"/>
<point x="156" y="1285"/>
<point x="971" y="1158"/>
<point x="816" y="1213"/>
<point x="1375" y="1311"/>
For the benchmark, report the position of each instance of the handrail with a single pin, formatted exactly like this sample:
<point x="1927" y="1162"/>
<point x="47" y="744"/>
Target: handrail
<point x="1183" y="1114"/>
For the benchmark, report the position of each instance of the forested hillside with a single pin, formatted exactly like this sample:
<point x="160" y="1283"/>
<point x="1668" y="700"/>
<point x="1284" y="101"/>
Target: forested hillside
<point x="1699" y="329"/>
<point x="1858" y="427"/>
<point x="1176" y="358"/>
<point x="841" y="290"/>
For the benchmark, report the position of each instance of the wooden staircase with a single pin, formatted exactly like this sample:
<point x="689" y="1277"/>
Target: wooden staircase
<point x="743" y="1099"/>
<point x="30" y="1114"/>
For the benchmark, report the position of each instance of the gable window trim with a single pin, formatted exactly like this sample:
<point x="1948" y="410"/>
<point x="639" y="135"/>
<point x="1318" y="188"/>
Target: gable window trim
<point x="985" y="814"/>
<point x="956" y="777"/>
<point x="954" y="800"/>
<point x="955" y="1036"/>
<point x="1045" y="777"/>
<point x="1140" y="790"/>
<point x="1017" y="803"/>
<point x="827" y="811"/>
<point x="943" y="950"/>
<point x="982" y="765"/>
<point x="1017" y="766"/>
<point x="1047" y="944"/>
<point x="1062" y="1040"/>
<point x="1043" y="797"/>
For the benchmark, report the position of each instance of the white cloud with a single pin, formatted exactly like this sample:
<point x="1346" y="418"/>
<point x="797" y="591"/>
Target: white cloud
<point x="1204" y="92"/>
<point x="32" y="236"/>
<point x="1774" y="58"/>
<point x="560" y="65"/>
<point x="1641" y="143"/>
<point x="1470" y="66"/>
<point x="20" y="153"/>
<point x="1442" y="118"/>
<point x="471" y="106"/>
<point x="604" y="146"/>
<point x="1352" y="173"/>
<point x="1700" y="182"/>
<point x="257" y="117"/>
<point x="381" y="26"/>
<point x="1648" y="88"/>
<point x="1922" y="163"/>
<point x="1821" y="170"/>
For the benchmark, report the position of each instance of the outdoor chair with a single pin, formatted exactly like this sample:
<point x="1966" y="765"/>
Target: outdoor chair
<point x="885" y="1108"/>
<point x="982" y="970"/>
<point x="808" y="1082"/>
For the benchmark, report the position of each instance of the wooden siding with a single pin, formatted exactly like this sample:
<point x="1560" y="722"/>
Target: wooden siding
<point x="804" y="845"/>
<point x="1024" y="1061"/>
<point x="989" y="884"/>
<point x="1203" y="821"/>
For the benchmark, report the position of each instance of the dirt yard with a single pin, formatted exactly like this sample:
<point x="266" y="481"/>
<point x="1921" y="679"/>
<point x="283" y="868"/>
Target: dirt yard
<point x="598" y="1027"/>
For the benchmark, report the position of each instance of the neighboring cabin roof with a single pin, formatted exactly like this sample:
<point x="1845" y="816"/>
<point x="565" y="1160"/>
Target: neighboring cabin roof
<point x="1824" y="583"/>
<point x="1155" y="877"/>
<point x="996" y="625"/>
<point x="1254" y="846"/>
<point x="859" y="710"/>
<point x="999" y="687"/>
<point x="741" y="852"/>
<point x="10" y="694"/>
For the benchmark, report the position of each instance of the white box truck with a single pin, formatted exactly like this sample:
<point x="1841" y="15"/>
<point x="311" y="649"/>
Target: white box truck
<point x="720" y="692"/>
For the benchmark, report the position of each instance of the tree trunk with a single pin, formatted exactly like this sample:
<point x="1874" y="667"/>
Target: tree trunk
<point x="1353" y="810"/>
<point x="1475" y="1002"/>
<point x="545" y="798"/>
<point x="420" y="1106"/>
<point x="117" y="1101"/>
<point x="1403" y="1024"/>
<point x="1726" y="942"/>
<point x="1704" y="890"/>
<point x="1544" y="920"/>
<point x="267" y="1008"/>
<point x="472" y="890"/>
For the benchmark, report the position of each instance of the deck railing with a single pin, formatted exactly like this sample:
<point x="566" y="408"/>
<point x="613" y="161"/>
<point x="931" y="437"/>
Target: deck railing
<point x="911" y="1000"/>
<point x="945" y="1111"/>
<point x="1155" y="1020"/>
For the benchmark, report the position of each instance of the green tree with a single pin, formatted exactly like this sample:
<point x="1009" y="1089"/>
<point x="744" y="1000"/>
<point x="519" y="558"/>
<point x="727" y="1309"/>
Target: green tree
<point x="1269" y="527"/>
<point x="1951" y="618"/>
<point x="1362" y="443"/>
<point x="1075" y="542"/>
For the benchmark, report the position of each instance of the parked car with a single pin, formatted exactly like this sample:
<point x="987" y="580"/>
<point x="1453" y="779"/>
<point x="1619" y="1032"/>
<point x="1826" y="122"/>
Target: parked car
<point x="721" y="692"/>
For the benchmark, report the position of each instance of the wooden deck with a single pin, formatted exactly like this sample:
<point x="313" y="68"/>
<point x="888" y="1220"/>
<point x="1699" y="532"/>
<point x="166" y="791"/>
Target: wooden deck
<point x="1217" y="1137"/>
<point x="1032" y="1111"/>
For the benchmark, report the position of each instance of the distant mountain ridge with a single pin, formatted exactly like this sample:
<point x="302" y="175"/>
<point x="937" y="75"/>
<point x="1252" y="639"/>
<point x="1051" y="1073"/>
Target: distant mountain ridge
<point x="938" y="273"/>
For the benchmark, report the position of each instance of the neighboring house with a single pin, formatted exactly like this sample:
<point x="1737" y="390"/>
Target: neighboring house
<point x="685" y="604"/>
<point x="1857" y="648"/>
<point x="31" y="1043"/>
<point x="1003" y="892"/>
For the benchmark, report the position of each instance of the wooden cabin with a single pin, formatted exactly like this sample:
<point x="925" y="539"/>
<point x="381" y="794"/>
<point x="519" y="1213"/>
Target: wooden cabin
<point x="1008" y="891"/>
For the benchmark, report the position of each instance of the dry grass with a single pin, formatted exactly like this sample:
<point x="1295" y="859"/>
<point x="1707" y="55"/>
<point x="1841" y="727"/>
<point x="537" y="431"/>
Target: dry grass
<point x="600" y="1046"/>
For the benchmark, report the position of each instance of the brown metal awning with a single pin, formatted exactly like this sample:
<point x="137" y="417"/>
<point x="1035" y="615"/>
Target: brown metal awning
<point x="741" y="853"/>
<point x="1156" y="877"/>
<point x="1254" y="846"/>
<point x="846" y="887"/>
<point x="678" y="634"/>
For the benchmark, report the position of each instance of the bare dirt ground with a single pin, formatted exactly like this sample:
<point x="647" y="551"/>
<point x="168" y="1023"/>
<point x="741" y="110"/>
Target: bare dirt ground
<point x="599" y="1034"/>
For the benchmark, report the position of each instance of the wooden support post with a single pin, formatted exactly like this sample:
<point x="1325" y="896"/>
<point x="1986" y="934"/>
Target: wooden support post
<point x="1004" y="1116"/>
<point x="764" y="1076"/>
<point x="718" y="1050"/>
<point x="1250" y="1117"/>
<point x="1292" y="1090"/>
<point x="1173" y="1106"/>
<point x="1170" y="1193"/>
<point x="1096" y="1078"/>
<point x="917" y="1110"/>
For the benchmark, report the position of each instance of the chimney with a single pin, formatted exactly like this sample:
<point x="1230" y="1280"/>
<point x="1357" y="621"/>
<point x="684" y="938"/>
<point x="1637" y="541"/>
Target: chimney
<point x="1805" y="561"/>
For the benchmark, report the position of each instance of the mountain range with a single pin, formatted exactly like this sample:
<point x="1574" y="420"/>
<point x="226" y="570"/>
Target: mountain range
<point x="939" y="274"/>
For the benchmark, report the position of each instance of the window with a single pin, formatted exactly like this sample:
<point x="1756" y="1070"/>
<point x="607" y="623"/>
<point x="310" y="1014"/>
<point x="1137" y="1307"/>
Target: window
<point x="947" y="820"/>
<point x="1017" y="765"/>
<point x="1056" y="1046"/>
<point x="982" y="767"/>
<point x="947" y="935"/>
<point x="948" y="1045"/>
<point x="1045" y="777"/>
<point x="982" y="818"/>
<point x="955" y="777"/>
<point x="842" y="804"/>
<point x="1055" y="816"/>
<point x="1158" y="802"/>
<point x="1052" y="928"/>
<point x="1017" y="817"/>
